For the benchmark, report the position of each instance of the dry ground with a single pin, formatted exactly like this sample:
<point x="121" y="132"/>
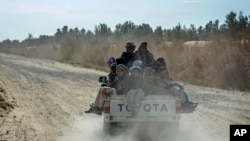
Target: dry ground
<point x="45" y="100"/>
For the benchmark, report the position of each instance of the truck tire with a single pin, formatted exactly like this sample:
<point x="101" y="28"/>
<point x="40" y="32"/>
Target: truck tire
<point x="108" y="128"/>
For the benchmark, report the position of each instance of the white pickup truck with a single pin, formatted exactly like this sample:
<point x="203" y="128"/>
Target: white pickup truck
<point x="153" y="110"/>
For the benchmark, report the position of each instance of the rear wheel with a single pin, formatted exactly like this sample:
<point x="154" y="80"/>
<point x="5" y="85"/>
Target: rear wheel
<point x="113" y="128"/>
<point x="109" y="128"/>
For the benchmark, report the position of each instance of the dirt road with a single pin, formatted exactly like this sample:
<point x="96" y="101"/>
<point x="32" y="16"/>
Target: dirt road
<point x="45" y="100"/>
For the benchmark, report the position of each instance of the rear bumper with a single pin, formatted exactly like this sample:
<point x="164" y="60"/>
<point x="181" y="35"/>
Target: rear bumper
<point x="168" y="119"/>
<point x="140" y="126"/>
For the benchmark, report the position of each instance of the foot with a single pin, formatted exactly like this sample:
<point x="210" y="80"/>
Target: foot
<point x="95" y="110"/>
<point x="89" y="110"/>
<point x="98" y="111"/>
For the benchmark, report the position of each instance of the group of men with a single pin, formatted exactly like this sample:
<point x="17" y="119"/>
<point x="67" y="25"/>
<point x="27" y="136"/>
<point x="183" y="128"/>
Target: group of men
<point x="136" y="69"/>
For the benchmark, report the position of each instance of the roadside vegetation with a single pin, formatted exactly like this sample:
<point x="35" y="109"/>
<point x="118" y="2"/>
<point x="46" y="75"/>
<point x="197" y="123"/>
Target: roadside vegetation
<point x="217" y="54"/>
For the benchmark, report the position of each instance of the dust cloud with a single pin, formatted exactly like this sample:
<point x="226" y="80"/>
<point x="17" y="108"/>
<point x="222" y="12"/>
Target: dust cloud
<point x="84" y="128"/>
<point x="89" y="128"/>
<point x="192" y="134"/>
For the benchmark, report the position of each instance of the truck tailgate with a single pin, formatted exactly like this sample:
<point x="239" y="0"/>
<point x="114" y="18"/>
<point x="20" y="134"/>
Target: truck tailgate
<point x="151" y="107"/>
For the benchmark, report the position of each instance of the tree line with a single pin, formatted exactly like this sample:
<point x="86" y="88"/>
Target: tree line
<point x="235" y="27"/>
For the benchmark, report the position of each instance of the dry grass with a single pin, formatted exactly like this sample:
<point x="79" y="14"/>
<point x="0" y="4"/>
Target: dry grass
<point x="219" y="64"/>
<point x="245" y="53"/>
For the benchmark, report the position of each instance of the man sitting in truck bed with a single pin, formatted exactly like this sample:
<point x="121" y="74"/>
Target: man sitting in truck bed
<point x="159" y="84"/>
<point x="123" y="85"/>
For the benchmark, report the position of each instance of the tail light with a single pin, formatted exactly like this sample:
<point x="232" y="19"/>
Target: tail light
<point x="178" y="106"/>
<point x="106" y="110"/>
<point x="178" y="109"/>
<point x="106" y="107"/>
<point x="106" y="91"/>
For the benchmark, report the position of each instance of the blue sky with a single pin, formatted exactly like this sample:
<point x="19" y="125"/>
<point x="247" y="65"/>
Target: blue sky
<point x="18" y="18"/>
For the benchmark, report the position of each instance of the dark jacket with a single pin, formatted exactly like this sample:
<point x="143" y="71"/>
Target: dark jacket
<point x="129" y="58"/>
<point x="124" y="84"/>
<point x="112" y="81"/>
<point x="146" y="58"/>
